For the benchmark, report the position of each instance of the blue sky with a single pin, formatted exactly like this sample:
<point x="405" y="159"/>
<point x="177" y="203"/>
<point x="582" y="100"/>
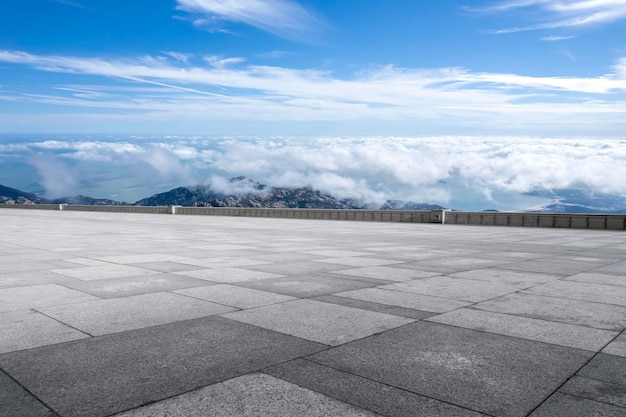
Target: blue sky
<point x="345" y="67"/>
<point x="470" y="104"/>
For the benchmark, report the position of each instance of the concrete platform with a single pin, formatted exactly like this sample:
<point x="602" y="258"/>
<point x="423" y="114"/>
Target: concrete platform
<point x="135" y="314"/>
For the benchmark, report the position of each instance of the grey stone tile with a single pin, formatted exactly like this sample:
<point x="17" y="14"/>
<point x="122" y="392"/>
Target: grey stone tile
<point x="26" y="329"/>
<point x="235" y="296"/>
<point x="607" y="368"/>
<point x="100" y="376"/>
<point x="364" y="393"/>
<point x="296" y="268"/>
<point x="563" y="405"/>
<point x="15" y="401"/>
<point x="358" y="261"/>
<point x="617" y="347"/>
<point x="609" y="294"/>
<point x="23" y="279"/>
<point x="386" y="273"/>
<point x="89" y="273"/>
<point x="503" y="276"/>
<point x="595" y="278"/>
<point x="450" y="264"/>
<point x="616" y="268"/>
<point x="166" y="266"/>
<point x="556" y="268"/>
<point x="326" y="323"/>
<point x="377" y="307"/>
<point x="338" y="253"/>
<point x="144" y="284"/>
<point x="228" y="275"/>
<point x="128" y="313"/>
<point x="404" y="299"/>
<point x="250" y="395"/>
<point x="583" y="313"/>
<point x="455" y="288"/>
<point x="141" y="258"/>
<point x="494" y="374"/>
<point x="593" y="389"/>
<point x="226" y="262"/>
<point x="527" y="328"/>
<point x="35" y="296"/>
<point x="304" y="286"/>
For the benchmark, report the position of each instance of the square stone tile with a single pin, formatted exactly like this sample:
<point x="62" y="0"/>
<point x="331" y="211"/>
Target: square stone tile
<point x="582" y="313"/>
<point x="234" y="296"/>
<point x="380" y="398"/>
<point x="335" y="253"/>
<point x="135" y="312"/>
<point x="32" y="278"/>
<point x="296" y="268"/>
<point x="305" y="286"/>
<point x="556" y="268"/>
<point x="228" y="275"/>
<point x="404" y="299"/>
<point x="595" y="278"/>
<point x="564" y="405"/>
<point x="226" y="262"/>
<point x="451" y="264"/>
<point x="35" y="296"/>
<point x="141" y="258"/>
<point x="326" y="323"/>
<point x="386" y="273"/>
<point x="15" y="401"/>
<point x="248" y="396"/>
<point x="143" y="284"/>
<point x="607" y="368"/>
<point x="24" y="329"/>
<point x="616" y="268"/>
<point x="595" y="390"/>
<point x="456" y="288"/>
<point x="533" y="329"/>
<point x="166" y="266"/>
<point x="89" y="273"/>
<point x="101" y="376"/>
<point x="503" y="276"/>
<point x="377" y="307"/>
<point x="358" y="261"/>
<point x="609" y="294"/>
<point x="494" y="374"/>
<point x="617" y="346"/>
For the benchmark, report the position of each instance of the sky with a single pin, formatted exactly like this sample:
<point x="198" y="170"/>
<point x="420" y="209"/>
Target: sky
<point x="166" y="91"/>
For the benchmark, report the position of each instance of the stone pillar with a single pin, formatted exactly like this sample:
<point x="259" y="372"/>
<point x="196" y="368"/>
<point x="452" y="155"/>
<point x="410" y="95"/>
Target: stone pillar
<point x="438" y="216"/>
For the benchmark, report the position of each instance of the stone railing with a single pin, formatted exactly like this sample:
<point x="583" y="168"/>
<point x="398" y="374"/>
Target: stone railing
<point x="556" y="220"/>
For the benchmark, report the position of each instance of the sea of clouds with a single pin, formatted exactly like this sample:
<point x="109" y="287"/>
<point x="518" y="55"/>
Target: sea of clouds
<point x="466" y="173"/>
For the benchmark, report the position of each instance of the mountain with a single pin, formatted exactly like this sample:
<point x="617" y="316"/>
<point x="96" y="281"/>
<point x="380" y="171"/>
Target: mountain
<point x="578" y="200"/>
<point x="10" y="195"/>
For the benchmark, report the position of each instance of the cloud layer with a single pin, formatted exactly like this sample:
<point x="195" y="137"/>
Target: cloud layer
<point x="459" y="172"/>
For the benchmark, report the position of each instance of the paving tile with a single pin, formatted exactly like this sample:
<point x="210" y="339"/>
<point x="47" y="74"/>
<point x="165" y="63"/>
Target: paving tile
<point x="296" y="268"/>
<point x="35" y="296"/>
<point x="313" y="285"/>
<point x="365" y="393"/>
<point x="600" y="293"/>
<point x="451" y="264"/>
<point x="494" y="374"/>
<point x="607" y="368"/>
<point x="31" y="278"/>
<point x="595" y="278"/>
<point x="583" y="313"/>
<point x="228" y="275"/>
<point x="24" y="329"/>
<point x="166" y="266"/>
<point x="503" y="276"/>
<point x="616" y="268"/>
<point x="456" y="288"/>
<point x="15" y="401"/>
<point x="386" y="273"/>
<point x="377" y="307"/>
<point x="358" y="261"/>
<point x="250" y="395"/>
<point x="563" y="405"/>
<point x="326" y="323"/>
<point x="89" y="273"/>
<point x="593" y="389"/>
<point x="404" y="299"/>
<point x="140" y="258"/>
<point x="556" y="268"/>
<point x="128" y="313"/>
<point x="235" y="296"/>
<point x="101" y="376"/>
<point x="144" y="284"/>
<point x="617" y="347"/>
<point x="527" y="328"/>
<point x="225" y="262"/>
<point x="338" y="253"/>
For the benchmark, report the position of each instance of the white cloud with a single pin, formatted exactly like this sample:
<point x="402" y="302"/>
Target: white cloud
<point x="219" y="62"/>
<point x="450" y="171"/>
<point x="556" y="38"/>
<point x="553" y="14"/>
<point x="284" y="18"/>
